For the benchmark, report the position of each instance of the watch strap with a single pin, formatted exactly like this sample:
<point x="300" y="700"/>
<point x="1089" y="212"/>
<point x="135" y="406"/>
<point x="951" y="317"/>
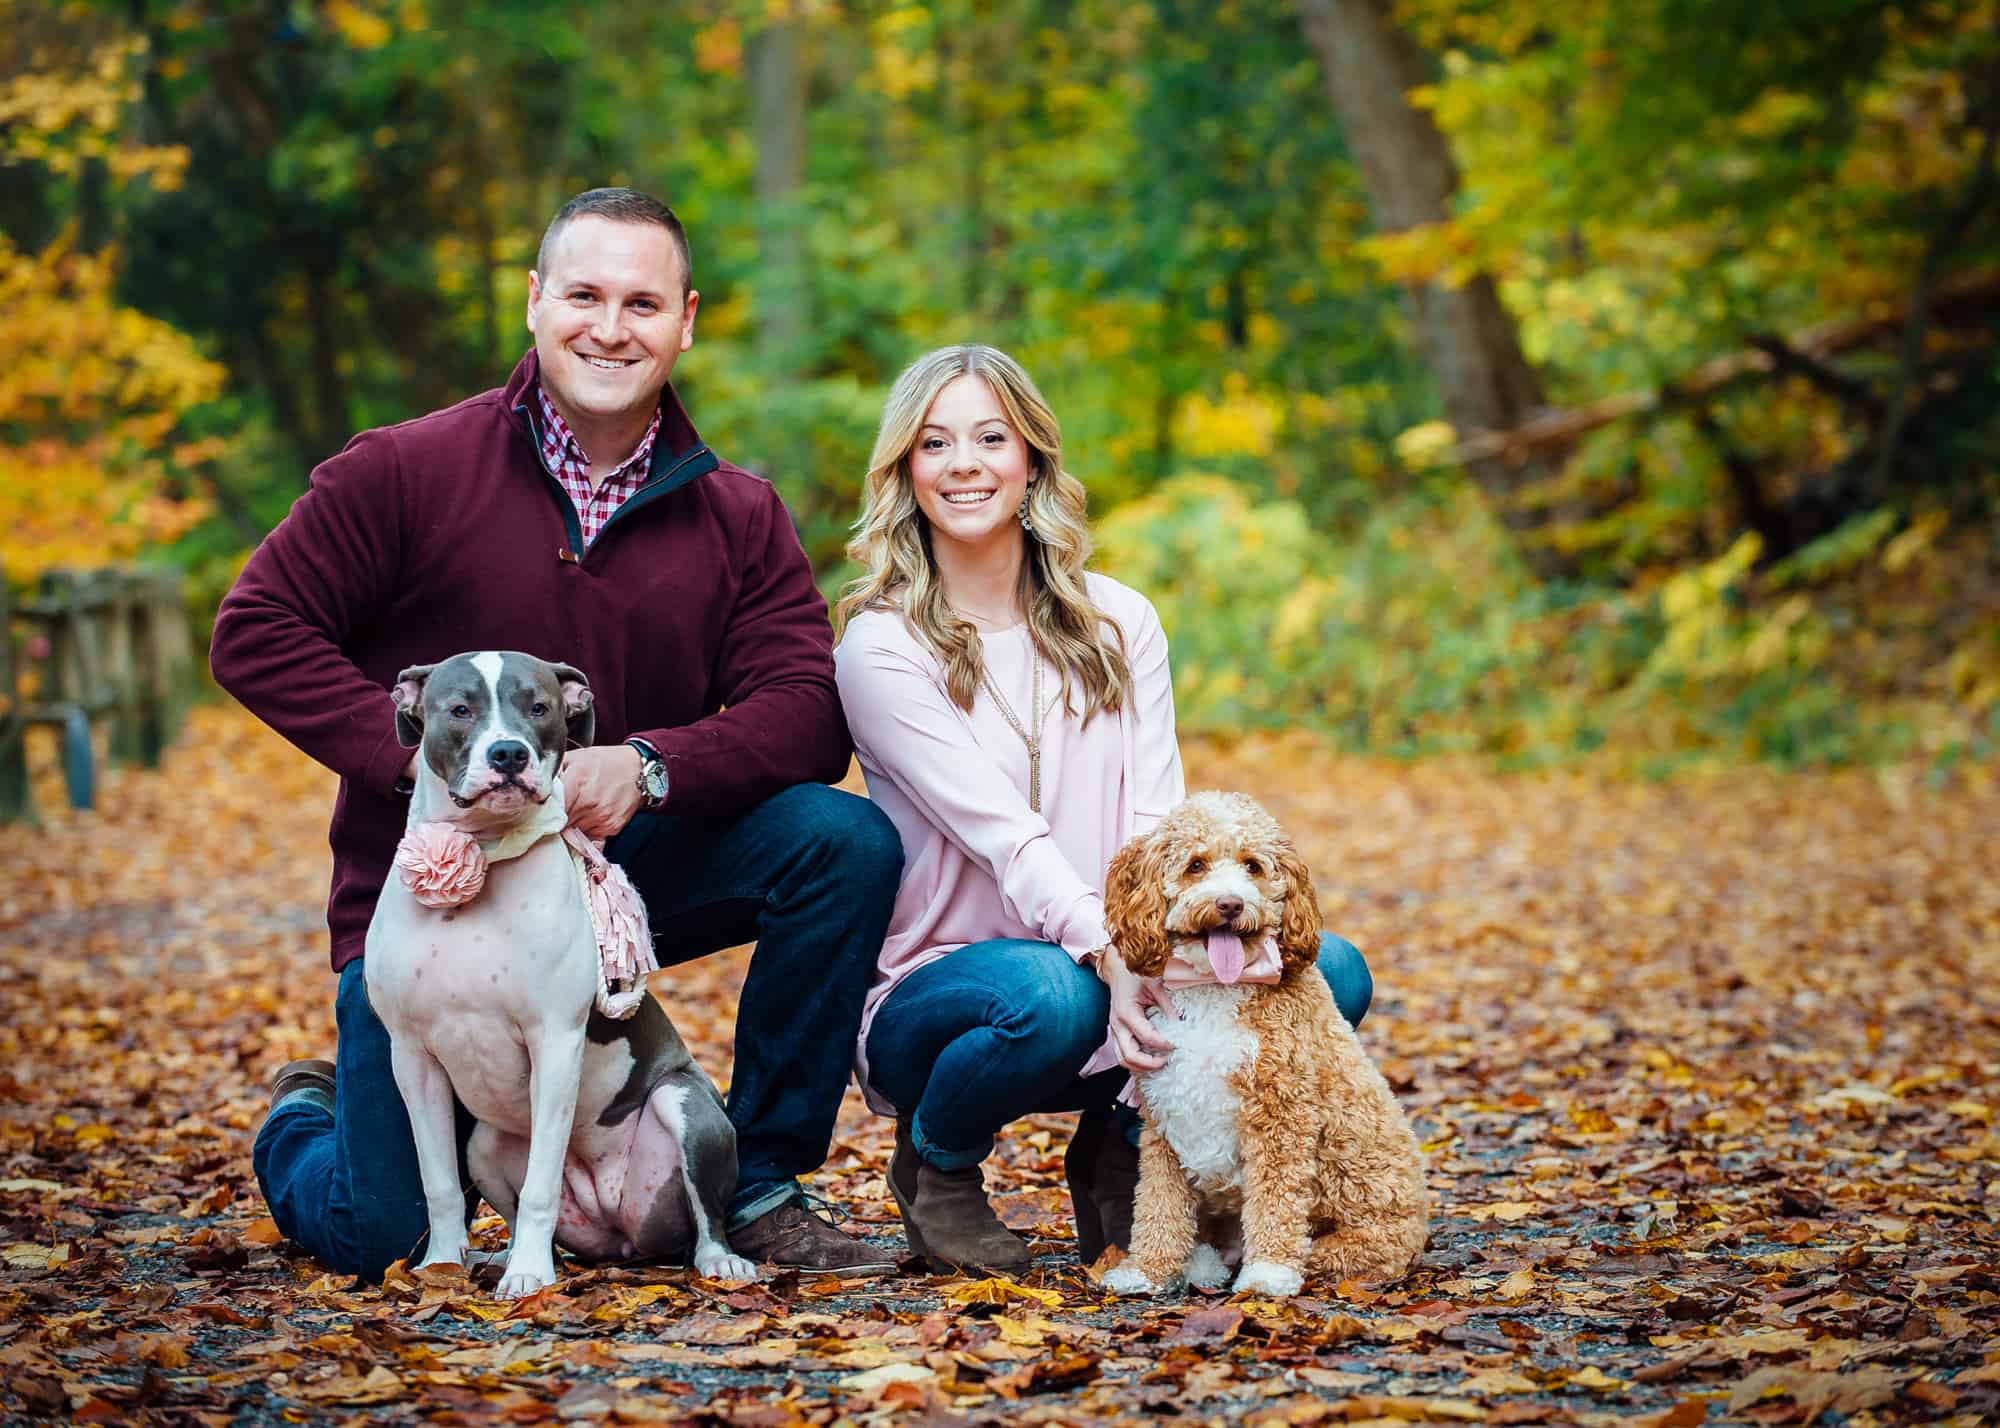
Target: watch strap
<point x="649" y="760"/>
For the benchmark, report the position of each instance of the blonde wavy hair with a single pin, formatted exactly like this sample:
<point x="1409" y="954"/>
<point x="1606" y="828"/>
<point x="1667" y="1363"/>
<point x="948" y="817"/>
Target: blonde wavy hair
<point x="892" y="540"/>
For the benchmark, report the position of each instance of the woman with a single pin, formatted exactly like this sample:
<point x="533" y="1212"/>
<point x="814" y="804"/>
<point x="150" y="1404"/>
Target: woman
<point x="1014" y="717"/>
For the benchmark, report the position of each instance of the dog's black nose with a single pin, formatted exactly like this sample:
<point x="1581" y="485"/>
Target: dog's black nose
<point x="1229" y="907"/>
<point x="509" y="756"/>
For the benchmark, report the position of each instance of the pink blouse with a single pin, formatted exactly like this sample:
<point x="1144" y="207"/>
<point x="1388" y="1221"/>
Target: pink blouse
<point x="978" y="863"/>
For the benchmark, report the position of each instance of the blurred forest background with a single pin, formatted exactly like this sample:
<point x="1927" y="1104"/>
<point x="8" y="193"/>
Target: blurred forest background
<point x="1512" y="376"/>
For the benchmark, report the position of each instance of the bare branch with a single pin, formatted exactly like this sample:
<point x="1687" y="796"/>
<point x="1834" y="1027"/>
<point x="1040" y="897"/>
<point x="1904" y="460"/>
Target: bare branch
<point x="1968" y="296"/>
<point x="1851" y="392"/>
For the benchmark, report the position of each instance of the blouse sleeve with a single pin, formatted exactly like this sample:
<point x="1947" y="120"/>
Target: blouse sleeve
<point x="906" y="726"/>
<point x="1158" y="782"/>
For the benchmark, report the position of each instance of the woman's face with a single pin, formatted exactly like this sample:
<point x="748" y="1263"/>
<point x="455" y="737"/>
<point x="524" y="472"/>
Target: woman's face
<point x="970" y="467"/>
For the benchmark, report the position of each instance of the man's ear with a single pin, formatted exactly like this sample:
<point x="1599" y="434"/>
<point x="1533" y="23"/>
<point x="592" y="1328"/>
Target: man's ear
<point x="408" y="693"/>
<point x="578" y="704"/>
<point x="692" y="302"/>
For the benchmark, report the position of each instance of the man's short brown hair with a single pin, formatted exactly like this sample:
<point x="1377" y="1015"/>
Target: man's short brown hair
<point x="620" y="205"/>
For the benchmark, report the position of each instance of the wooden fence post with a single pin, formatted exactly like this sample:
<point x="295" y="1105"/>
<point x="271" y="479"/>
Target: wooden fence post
<point x="17" y="804"/>
<point x="162" y="664"/>
<point x="109" y="643"/>
<point x="108" y="599"/>
<point x="73" y="688"/>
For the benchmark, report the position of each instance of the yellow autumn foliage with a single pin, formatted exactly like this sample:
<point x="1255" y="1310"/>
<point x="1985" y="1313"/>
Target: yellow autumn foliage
<point x="63" y="114"/>
<point x="1239" y="422"/>
<point x="91" y="399"/>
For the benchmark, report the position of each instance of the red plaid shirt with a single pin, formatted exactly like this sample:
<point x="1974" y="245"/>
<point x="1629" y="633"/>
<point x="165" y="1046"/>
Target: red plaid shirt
<point x="567" y="463"/>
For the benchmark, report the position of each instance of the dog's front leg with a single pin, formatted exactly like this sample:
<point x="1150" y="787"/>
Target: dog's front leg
<point x="1278" y="1160"/>
<point x="426" y="1090"/>
<point x="554" y="1069"/>
<point x="1165" y="1219"/>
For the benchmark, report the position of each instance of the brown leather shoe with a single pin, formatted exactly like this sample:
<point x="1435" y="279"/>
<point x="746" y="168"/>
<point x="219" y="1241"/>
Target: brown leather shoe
<point x="947" y="1217"/>
<point x="793" y="1235"/>
<point x="1103" y="1171"/>
<point x="313" y="1078"/>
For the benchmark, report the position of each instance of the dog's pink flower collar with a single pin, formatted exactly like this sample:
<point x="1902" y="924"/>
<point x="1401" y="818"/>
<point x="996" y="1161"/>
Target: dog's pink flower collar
<point x="444" y="866"/>
<point x="618" y="916"/>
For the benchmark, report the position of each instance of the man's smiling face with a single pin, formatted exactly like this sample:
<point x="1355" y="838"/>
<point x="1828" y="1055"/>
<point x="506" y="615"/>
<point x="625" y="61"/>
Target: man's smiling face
<point x="609" y="319"/>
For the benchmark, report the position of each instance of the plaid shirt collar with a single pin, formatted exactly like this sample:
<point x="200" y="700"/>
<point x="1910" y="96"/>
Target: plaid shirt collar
<point x="565" y="460"/>
<point x="559" y="443"/>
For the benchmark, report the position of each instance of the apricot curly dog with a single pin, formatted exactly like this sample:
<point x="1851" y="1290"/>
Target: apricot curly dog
<point x="1268" y="1127"/>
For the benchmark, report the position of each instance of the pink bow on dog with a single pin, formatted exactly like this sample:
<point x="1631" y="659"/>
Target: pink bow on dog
<point x="1230" y="967"/>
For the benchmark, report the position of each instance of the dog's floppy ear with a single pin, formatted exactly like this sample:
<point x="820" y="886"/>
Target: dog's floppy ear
<point x="579" y="704"/>
<point x="1135" y="904"/>
<point x="1298" y="932"/>
<point x="408" y="692"/>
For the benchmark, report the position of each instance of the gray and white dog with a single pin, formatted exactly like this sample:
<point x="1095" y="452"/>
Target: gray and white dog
<point x="601" y="1134"/>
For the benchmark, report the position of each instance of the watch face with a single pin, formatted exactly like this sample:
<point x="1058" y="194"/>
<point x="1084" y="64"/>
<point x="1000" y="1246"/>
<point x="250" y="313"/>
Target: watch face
<point x="655" y="776"/>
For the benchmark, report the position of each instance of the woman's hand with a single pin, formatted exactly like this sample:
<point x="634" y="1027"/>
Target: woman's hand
<point x="1140" y="1045"/>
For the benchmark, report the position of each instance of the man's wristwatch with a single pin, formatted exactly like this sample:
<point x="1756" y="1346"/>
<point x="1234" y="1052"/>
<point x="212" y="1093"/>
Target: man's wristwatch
<point x="652" y="780"/>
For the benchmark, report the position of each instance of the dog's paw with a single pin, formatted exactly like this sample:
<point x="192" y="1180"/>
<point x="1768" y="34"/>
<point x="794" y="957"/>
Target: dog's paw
<point x="719" y="1263"/>
<point x="1275" y="1281"/>
<point x="1128" y="1278"/>
<point x="443" y="1252"/>
<point x="521" y="1279"/>
<point x="1205" y="1269"/>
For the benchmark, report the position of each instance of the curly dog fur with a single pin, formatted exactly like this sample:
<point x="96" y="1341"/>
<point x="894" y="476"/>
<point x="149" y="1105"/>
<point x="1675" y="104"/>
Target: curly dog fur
<point x="1268" y="1121"/>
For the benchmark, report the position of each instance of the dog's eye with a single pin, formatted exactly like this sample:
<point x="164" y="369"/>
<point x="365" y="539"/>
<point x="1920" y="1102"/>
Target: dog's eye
<point x="1197" y="866"/>
<point x="1254" y="868"/>
<point x="460" y="711"/>
<point x="540" y="709"/>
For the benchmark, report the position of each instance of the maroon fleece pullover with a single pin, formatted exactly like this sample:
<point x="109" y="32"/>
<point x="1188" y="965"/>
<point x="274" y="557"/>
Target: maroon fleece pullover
<point x="694" y="616"/>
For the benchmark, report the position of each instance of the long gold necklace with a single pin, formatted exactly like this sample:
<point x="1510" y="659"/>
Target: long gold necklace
<point x="1038" y="714"/>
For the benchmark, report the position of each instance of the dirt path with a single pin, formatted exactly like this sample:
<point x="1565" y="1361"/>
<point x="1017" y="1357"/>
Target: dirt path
<point x="1706" y="1073"/>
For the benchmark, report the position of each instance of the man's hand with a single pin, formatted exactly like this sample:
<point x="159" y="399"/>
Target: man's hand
<point x="1140" y="1045"/>
<point x="601" y="785"/>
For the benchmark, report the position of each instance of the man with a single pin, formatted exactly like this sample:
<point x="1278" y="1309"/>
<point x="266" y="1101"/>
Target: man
<point x="574" y="514"/>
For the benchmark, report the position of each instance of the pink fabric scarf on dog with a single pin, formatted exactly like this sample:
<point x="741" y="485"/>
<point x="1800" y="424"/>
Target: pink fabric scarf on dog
<point x="444" y="866"/>
<point x="1230" y="967"/>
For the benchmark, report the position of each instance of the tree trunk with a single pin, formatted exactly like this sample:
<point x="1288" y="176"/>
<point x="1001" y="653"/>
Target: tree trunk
<point x="778" y="88"/>
<point x="1468" y="338"/>
<point x="330" y="426"/>
<point x="254" y="358"/>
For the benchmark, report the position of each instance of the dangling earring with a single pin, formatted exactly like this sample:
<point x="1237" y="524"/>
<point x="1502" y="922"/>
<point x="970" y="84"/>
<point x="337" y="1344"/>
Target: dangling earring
<point x="1026" y="524"/>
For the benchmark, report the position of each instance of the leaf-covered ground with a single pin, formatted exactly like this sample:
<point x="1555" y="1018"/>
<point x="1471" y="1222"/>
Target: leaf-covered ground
<point x="1706" y="1073"/>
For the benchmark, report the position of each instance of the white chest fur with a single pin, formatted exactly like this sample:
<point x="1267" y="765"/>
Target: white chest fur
<point x="1190" y="1100"/>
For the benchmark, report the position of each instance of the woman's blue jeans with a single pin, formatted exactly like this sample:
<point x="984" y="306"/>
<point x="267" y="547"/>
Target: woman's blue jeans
<point x="999" y="1030"/>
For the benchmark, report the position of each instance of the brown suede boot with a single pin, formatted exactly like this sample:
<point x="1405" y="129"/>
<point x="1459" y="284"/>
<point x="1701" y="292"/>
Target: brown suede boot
<point x="793" y="1236"/>
<point x="312" y="1079"/>
<point x="1103" y="1171"/>
<point x="947" y="1216"/>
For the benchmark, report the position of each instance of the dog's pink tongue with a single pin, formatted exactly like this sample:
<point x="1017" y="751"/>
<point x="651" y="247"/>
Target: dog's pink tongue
<point x="1225" y="955"/>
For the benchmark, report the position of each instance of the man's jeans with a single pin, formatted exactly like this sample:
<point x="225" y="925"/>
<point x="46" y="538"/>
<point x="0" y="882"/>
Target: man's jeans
<point x="998" y="1030"/>
<point x="809" y="875"/>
